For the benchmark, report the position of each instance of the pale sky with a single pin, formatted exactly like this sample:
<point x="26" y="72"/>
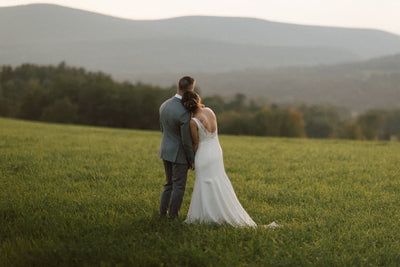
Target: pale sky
<point x="376" y="14"/>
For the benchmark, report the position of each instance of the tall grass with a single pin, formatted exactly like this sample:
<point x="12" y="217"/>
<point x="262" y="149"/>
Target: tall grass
<point x="73" y="195"/>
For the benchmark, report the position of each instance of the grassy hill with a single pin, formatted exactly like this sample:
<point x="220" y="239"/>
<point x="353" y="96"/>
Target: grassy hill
<point x="74" y="195"/>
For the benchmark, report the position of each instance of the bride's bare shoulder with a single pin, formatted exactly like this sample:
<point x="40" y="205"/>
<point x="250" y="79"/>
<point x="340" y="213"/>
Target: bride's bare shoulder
<point x="210" y="111"/>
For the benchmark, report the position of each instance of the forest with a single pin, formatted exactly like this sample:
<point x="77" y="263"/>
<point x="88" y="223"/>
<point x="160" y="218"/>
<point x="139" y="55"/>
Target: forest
<point x="67" y="94"/>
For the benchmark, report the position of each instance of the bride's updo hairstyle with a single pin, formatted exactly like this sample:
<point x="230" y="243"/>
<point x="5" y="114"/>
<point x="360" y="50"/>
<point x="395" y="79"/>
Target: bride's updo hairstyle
<point x="191" y="101"/>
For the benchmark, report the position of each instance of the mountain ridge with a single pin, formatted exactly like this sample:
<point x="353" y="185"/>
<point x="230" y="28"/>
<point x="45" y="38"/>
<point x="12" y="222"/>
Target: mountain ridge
<point x="59" y="33"/>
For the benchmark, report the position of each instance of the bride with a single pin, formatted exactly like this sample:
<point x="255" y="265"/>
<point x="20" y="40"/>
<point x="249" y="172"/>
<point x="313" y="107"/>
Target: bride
<point x="213" y="199"/>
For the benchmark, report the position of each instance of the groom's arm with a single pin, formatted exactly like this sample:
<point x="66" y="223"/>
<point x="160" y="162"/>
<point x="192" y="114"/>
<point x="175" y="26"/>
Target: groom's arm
<point x="186" y="137"/>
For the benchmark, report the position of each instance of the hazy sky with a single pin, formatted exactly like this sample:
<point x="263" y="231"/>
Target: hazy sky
<point x="377" y="14"/>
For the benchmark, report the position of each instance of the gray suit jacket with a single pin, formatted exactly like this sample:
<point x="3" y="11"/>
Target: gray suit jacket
<point x="176" y="143"/>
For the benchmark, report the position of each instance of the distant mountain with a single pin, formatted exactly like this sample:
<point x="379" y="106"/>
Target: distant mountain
<point x="48" y="34"/>
<point x="370" y="84"/>
<point x="284" y="62"/>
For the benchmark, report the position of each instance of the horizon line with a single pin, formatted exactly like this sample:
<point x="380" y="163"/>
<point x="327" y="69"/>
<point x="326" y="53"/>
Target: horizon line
<point x="200" y="15"/>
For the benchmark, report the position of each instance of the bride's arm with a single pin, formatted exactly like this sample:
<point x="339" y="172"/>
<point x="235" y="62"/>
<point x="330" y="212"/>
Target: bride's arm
<point x="195" y="135"/>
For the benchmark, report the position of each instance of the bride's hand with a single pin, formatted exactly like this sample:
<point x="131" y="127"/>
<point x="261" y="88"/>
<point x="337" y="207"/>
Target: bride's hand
<point x="191" y="166"/>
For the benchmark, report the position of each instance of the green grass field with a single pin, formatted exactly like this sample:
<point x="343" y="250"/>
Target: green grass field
<point x="73" y="195"/>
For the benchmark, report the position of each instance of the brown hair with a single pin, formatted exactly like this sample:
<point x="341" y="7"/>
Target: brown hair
<point x="186" y="83"/>
<point x="191" y="101"/>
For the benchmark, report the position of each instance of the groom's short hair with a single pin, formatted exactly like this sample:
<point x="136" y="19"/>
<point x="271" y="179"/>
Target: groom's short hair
<point x="186" y="83"/>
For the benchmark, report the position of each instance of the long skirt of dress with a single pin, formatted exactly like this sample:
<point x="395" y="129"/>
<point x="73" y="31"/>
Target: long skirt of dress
<point x="213" y="199"/>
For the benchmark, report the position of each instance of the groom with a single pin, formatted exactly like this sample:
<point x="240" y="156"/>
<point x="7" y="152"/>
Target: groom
<point x="176" y="149"/>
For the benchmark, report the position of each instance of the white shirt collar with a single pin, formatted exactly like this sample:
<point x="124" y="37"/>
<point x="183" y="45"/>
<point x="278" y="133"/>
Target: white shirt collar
<point x="178" y="96"/>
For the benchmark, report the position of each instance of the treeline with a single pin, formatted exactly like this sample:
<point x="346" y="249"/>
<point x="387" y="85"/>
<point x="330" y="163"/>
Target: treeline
<point x="242" y="116"/>
<point x="239" y="116"/>
<point x="73" y="95"/>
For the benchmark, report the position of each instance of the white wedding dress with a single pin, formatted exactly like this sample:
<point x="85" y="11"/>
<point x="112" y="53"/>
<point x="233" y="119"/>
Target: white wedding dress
<point x="213" y="199"/>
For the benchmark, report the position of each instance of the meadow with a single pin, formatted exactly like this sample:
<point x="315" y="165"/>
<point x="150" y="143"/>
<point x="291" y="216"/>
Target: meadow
<point x="78" y="195"/>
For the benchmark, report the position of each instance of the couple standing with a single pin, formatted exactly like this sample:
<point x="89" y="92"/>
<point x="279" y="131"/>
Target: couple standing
<point x="189" y="141"/>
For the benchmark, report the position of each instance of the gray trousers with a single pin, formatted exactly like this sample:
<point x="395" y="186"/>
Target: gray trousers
<point x="174" y="189"/>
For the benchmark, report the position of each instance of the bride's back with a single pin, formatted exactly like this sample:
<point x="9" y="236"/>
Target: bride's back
<point x="208" y="119"/>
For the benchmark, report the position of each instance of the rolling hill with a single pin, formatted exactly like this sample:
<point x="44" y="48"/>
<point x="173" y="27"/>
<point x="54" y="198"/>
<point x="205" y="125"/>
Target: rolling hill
<point x="48" y="34"/>
<point x="358" y="86"/>
<point x="284" y="62"/>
